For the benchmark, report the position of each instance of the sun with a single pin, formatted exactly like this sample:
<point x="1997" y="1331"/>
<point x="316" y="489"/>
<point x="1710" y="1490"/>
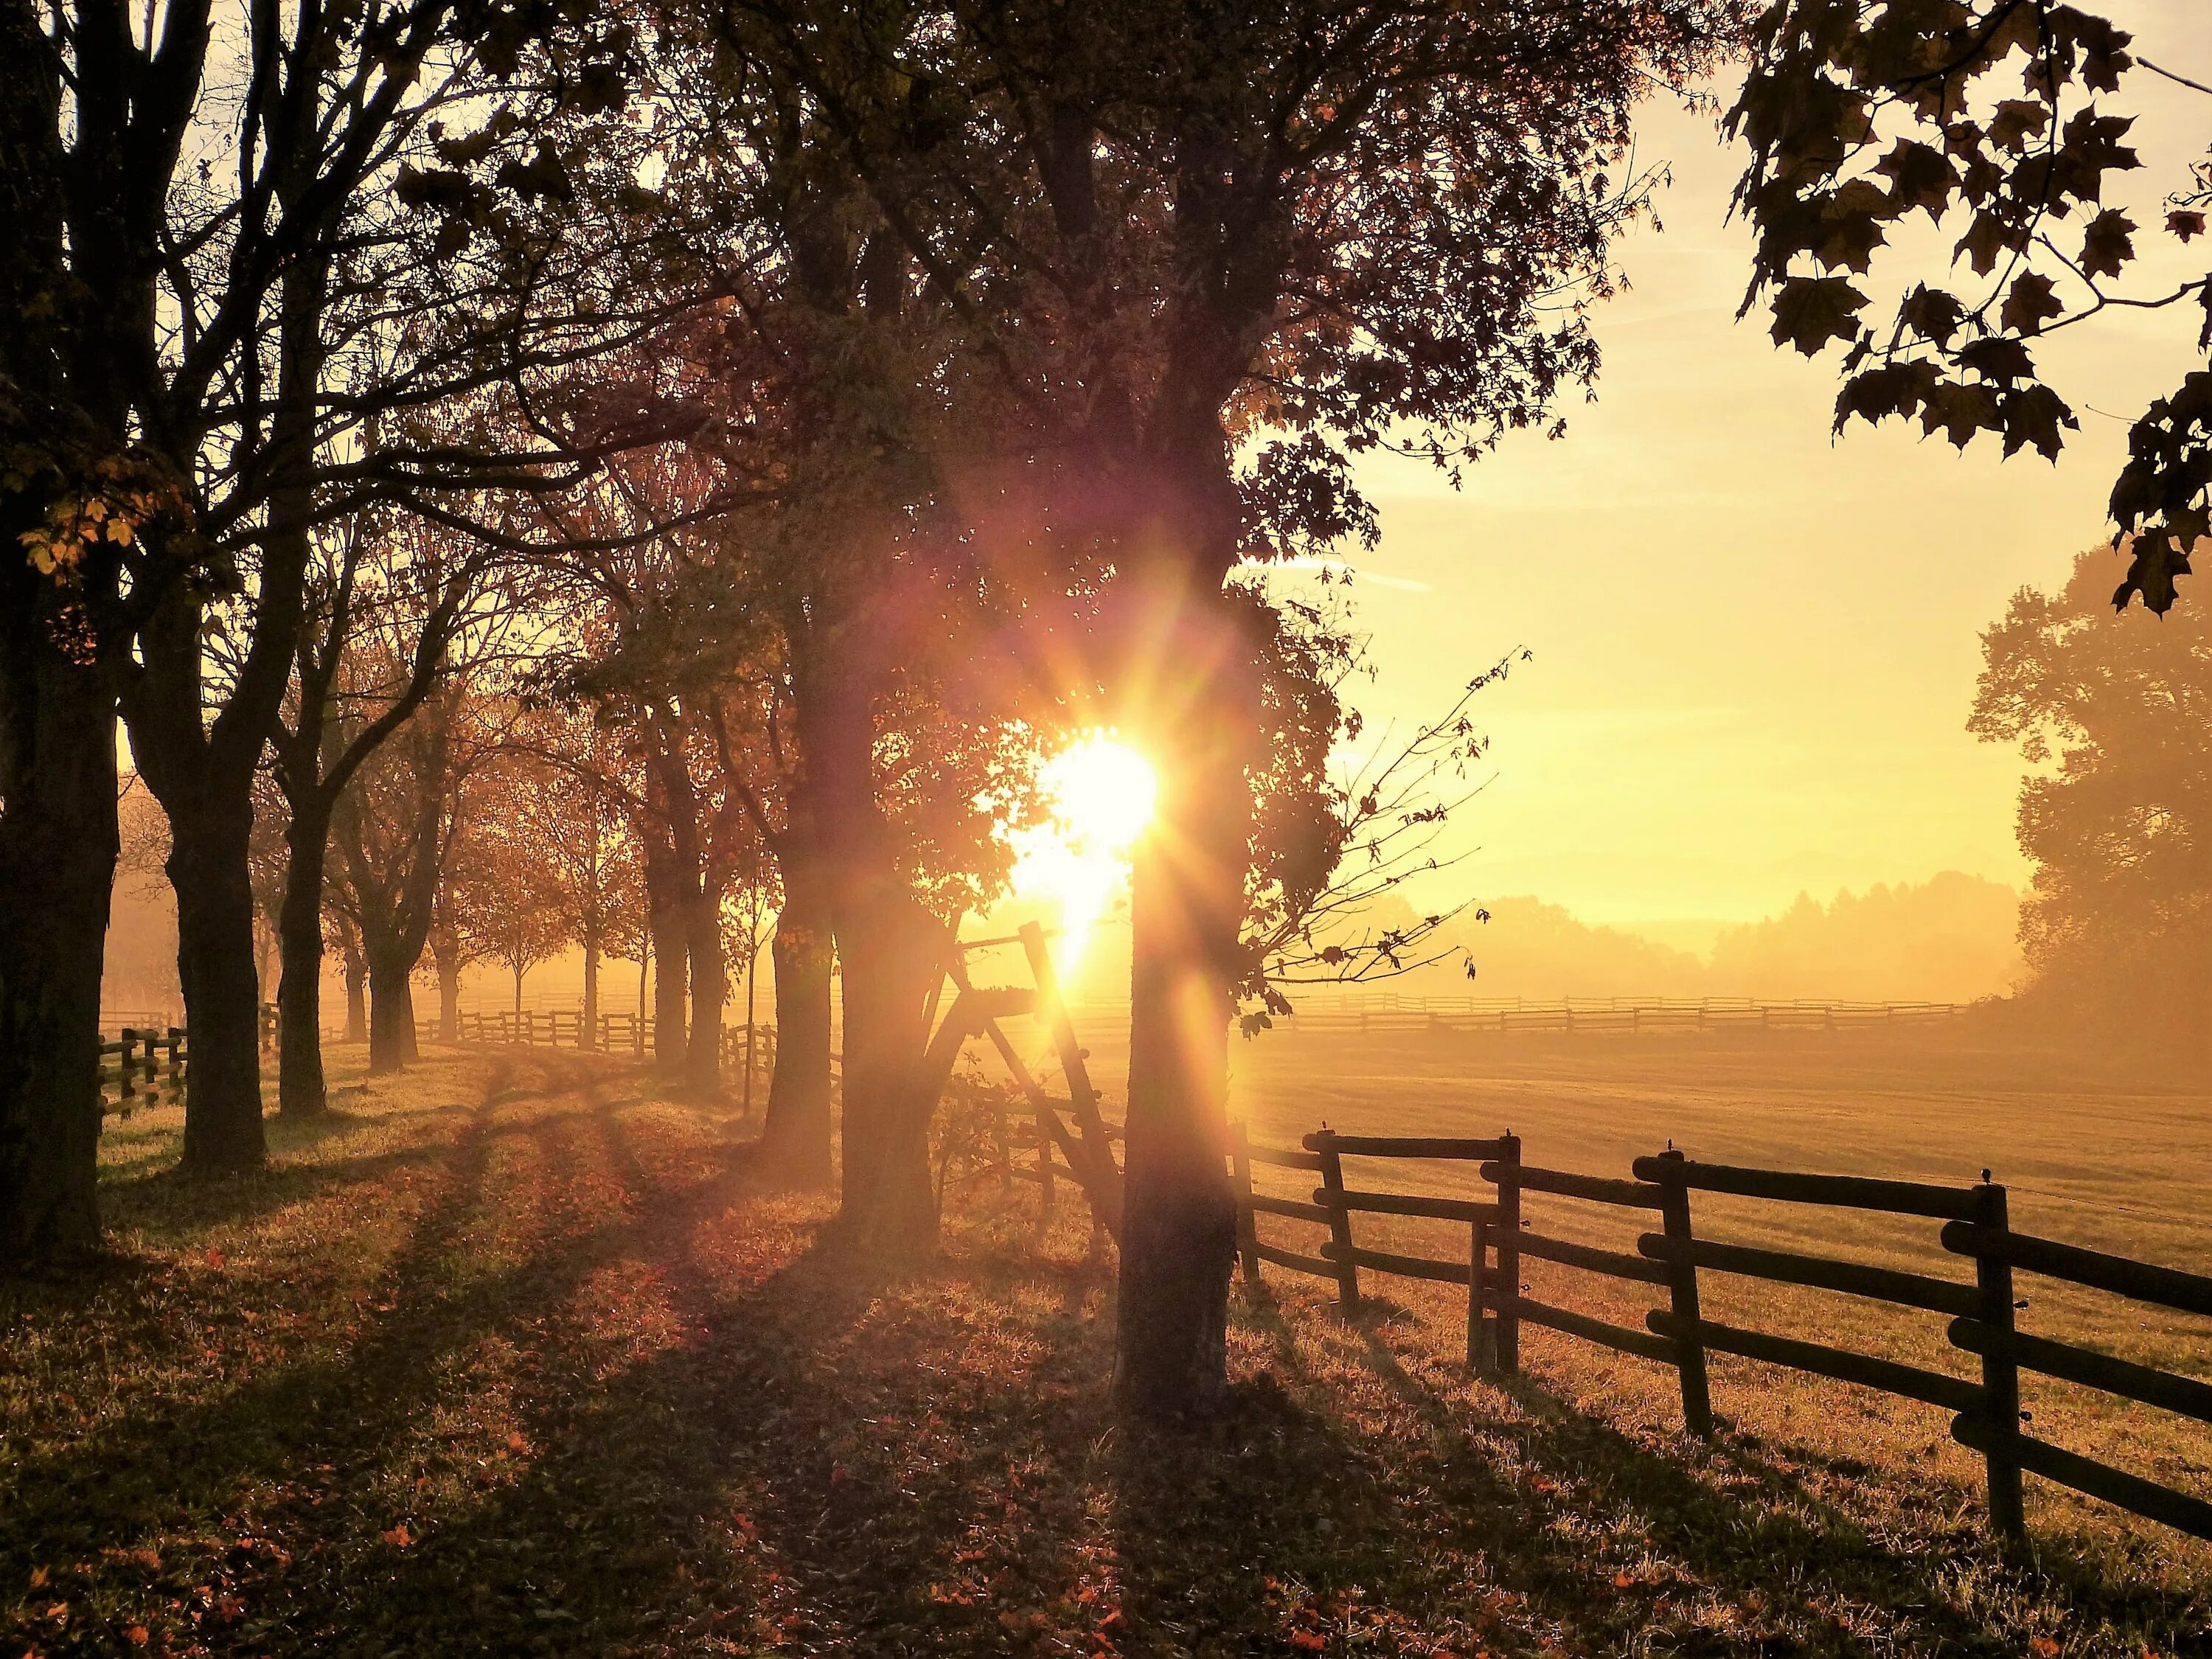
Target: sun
<point x="1100" y="793"/>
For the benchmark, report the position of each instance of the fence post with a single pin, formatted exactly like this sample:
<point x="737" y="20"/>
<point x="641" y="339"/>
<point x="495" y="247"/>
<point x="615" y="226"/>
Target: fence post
<point x="176" y="1073"/>
<point x="1682" y="1297"/>
<point x="2000" y="1374"/>
<point x="127" y="1054"/>
<point x="1323" y="1141"/>
<point x="1481" y="1333"/>
<point x="1247" y="1228"/>
<point x="1506" y="1341"/>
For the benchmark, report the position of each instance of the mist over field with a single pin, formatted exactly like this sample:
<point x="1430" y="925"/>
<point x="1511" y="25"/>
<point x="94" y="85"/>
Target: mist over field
<point x="1951" y="939"/>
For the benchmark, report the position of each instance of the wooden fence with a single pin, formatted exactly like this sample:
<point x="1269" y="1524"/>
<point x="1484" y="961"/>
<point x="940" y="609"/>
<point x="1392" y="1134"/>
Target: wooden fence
<point x="624" y="1033"/>
<point x="143" y="1067"/>
<point x="1615" y="1017"/>
<point x="1674" y="1258"/>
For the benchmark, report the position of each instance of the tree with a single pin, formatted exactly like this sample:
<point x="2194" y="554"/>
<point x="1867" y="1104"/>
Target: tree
<point x="2118" y="929"/>
<point x="588" y="868"/>
<point x="394" y="586"/>
<point x="1859" y="115"/>
<point x="238" y="258"/>
<point x="504" y="891"/>
<point x="1210" y="251"/>
<point x="395" y="825"/>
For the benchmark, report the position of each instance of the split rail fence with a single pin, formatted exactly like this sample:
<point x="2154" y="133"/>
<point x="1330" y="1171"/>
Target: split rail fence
<point x="1589" y="1016"/>
<point x="563" y="1027"/>
<point x="142" y="1066"/>
<point x="1674" y="1259"/>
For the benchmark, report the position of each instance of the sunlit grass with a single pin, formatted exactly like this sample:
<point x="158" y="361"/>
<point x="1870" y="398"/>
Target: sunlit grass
<point x="513" y="1356"/>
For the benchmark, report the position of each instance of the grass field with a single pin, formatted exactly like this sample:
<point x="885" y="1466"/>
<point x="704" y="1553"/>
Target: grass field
<point x="512" y="1356"/>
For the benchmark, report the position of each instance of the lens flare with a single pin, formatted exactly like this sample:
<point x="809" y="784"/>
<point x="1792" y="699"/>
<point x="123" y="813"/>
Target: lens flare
<point x="1101" y="792"/>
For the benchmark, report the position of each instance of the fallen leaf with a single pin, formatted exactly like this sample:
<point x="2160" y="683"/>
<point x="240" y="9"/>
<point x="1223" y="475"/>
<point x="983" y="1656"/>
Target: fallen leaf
<point x="399" y="1538"/>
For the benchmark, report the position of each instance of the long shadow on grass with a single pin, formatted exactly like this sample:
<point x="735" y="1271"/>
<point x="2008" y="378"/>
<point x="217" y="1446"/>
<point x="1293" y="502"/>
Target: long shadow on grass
<point x="305" y="1440"/>
<point x="771" y="1469"/>
<point x="1576" y="1501"/>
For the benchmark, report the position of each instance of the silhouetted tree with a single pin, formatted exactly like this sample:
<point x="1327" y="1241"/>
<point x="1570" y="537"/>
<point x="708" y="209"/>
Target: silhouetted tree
<point x="245" y="251"/>
<point x="1210" y="251"/>
<point x="2117" y="819"/>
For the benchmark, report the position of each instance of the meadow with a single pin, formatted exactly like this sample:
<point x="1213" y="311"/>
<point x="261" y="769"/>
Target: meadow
<point x="514" y="1355"/>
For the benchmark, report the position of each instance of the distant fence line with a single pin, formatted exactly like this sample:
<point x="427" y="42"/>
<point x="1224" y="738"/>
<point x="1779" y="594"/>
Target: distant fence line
<point x="616" y="1034"/>
<point x="1582" y="1016"/>
<point x="1985" y="1408"/>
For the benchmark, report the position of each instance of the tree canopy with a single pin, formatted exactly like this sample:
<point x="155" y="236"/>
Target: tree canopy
<point x="2004" y="121"/>
<point x="2117" y="816"/>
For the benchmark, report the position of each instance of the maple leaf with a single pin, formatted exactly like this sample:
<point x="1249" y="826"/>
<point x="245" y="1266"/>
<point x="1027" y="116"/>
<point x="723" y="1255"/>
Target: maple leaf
<point x="1998" y="358"/>
<point x="1851" y="226"/>
<point x="1985" y="238"/>
<point x="1932" y="313"/>
<point x="1811" y="311"/>
<point x="1961" y="410"/>
<point x="399" y="1538"/>
<point x="2103" y="47"/>
<point x="1894" y="388"/>
<point x="2155" y="565"/>
<point x="2107" y="243"/>
<point x="2017" y="120"/>
<point x="2185" y="224"/>
<point x="2029" y="304"/>
<point x="2034" y="415"/>
<point x="1920" y="177"/>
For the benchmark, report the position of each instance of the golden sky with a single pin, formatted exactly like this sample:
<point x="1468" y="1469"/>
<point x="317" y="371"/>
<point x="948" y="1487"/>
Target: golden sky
<point x="1754" y="646"/>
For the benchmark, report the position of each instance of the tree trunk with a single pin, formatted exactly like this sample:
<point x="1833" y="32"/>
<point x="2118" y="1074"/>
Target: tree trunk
<point x="710" y="990"/>
<point x="1178" y="1230"/>
<point x="356" y="984"/>
<point x="448" y="959"/>
<point x="672" y="982"/>
<point x="588" y="1037"/>
<point x="795" y="1137"/>
<point x="214" y="885"/>
<point x="886" y="959"/>
<point x="300" y="1090"/>
<point x="391" y="1009"/>
<point x="57" y="850"/>
<point x="884" y="947"/>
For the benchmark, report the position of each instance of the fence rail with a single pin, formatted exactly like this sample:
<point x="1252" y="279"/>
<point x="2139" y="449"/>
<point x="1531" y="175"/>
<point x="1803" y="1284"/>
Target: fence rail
<point x="615" y="1033"/>
<point x="1985" y="1404"/>
<point x="142" y="1068"/>
<point x="1581" y="1017"/>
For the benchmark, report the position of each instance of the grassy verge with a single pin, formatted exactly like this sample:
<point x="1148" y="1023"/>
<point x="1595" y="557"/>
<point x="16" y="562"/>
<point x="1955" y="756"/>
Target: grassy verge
<point x="512" y="1356"/>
